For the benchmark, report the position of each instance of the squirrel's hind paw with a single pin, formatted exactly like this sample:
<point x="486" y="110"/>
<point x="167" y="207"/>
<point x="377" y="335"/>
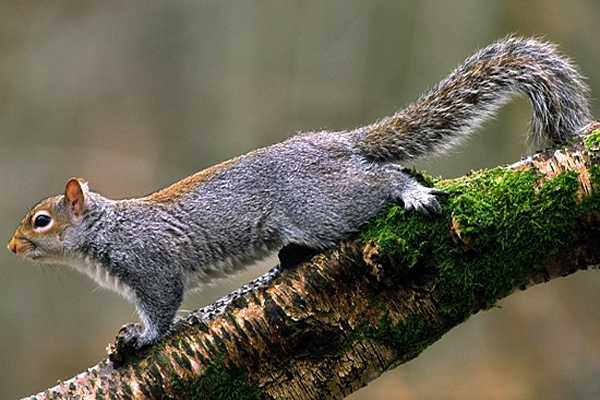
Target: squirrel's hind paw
<point x="423" y="200"/>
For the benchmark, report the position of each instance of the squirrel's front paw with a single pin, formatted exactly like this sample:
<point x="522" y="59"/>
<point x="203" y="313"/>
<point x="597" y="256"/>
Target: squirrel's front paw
<point x="129" y="335"/>
<point x="126" y="342"/>
<point x="423" y="200"/>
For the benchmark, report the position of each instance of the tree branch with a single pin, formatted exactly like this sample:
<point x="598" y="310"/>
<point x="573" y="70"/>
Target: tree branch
<point x="330" y="325"/>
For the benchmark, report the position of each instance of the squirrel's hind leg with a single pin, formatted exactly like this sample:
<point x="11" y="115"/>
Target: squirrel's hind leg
<point x="294" y="254"/>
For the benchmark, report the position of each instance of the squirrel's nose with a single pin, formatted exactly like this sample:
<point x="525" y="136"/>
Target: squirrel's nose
<point x="12" y="245"/>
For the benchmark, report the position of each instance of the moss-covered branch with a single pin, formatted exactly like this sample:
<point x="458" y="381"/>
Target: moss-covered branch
<point x="329" y="326"/>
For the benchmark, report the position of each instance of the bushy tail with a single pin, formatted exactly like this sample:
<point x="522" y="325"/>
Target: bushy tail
<point x="475" y="90"/>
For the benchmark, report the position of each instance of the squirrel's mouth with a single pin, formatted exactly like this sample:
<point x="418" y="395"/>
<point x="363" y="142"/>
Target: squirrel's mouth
<point x="25" y="249"/>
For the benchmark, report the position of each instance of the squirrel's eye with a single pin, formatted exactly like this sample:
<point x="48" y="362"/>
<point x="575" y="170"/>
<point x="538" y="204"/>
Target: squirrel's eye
<point x="42" y="220"/>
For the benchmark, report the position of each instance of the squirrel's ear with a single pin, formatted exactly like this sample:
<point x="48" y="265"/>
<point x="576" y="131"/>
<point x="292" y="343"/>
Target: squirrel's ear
<point x="75" y="197"/>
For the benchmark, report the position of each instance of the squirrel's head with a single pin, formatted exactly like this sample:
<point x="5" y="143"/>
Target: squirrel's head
<point x="40" y="235"/>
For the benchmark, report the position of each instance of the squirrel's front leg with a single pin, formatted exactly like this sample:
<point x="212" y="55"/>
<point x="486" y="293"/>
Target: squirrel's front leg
<point x="157" y="305"/>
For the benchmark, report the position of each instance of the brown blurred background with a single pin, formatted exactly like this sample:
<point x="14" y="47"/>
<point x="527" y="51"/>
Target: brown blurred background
<point x="134" y="95"/>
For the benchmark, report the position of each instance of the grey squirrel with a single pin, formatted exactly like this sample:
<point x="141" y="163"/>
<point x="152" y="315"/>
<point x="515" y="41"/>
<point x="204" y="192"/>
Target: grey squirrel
<point x="312" y="190"/>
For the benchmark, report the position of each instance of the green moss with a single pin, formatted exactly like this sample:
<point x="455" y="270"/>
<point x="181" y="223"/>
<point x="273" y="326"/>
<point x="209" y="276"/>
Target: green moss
<point x="409" y="338"/>
<point x="592" y="145"/>
<point x="501" y="211"/>
<point x="217" y="382"/>
<point x="592" y="140"/>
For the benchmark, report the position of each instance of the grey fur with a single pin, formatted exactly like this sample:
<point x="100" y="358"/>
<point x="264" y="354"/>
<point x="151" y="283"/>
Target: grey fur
<point x="313" y="190"/>
<point x="471" y="94"/>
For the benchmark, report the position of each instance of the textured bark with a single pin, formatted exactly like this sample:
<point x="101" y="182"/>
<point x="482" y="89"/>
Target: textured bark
<point x="328" y="326"/>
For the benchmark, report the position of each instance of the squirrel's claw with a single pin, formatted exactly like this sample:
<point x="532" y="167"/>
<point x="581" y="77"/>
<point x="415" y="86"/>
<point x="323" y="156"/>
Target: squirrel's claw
<point x="126" y="343"/>
<point x="423" y="200"/>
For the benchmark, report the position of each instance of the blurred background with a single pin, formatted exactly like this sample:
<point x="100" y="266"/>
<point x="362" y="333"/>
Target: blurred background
<point x="135" y="95"/>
